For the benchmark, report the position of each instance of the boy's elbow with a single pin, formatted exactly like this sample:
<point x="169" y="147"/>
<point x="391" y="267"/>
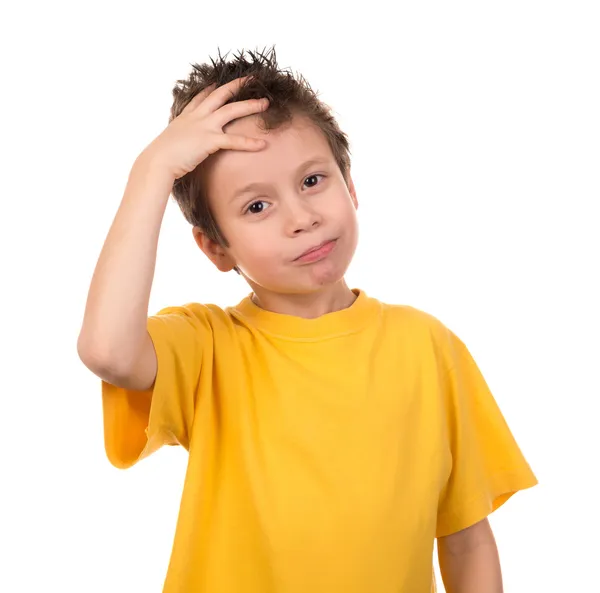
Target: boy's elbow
<point x="137" y="373"/>
<point x="97" y="359"/>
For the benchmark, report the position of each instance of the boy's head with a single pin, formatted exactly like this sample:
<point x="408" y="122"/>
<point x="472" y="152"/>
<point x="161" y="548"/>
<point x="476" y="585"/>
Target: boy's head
<point x="302" y="194"/>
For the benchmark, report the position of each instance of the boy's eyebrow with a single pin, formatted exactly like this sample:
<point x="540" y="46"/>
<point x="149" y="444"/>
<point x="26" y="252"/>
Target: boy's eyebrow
<point x="257" y="185"/>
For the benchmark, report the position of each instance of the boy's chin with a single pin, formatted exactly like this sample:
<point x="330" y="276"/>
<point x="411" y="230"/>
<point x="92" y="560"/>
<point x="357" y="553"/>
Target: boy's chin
<point x="297" y="282"/>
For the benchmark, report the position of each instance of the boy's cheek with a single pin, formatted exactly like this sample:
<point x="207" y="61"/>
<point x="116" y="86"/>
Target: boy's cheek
<point x="261" y="257"/>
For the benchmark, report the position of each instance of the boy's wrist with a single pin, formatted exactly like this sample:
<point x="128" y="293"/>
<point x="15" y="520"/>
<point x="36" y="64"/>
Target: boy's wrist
<point x="147" y="165"/>
<point x="149" y="181"/>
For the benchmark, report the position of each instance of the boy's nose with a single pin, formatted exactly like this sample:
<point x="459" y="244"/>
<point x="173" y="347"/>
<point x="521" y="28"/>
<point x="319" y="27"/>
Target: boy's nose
<point x="301" y="218"/>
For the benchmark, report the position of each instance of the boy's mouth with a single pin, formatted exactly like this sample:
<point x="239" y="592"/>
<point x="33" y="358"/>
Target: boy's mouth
<point x="317" y="252"/>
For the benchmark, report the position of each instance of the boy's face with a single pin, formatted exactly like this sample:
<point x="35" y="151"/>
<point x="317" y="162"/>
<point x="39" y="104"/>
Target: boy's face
<point x="294" y="207"/>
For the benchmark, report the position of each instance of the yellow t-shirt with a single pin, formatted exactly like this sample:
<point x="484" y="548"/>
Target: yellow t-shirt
<point x="325" y="455"/>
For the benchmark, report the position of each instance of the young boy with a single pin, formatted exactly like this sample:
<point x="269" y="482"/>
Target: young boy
<point x="331" y="437"/>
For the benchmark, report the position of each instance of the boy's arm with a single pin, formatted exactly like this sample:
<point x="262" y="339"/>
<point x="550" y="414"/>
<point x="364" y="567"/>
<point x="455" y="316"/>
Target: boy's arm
<point x="469" y="561"/>
<point x="114" y="342"/>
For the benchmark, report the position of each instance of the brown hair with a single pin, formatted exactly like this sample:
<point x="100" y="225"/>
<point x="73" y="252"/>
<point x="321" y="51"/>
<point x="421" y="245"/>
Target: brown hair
<point x="287" y="96"/>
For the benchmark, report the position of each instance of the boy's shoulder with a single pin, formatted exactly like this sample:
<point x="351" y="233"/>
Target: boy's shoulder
<point x="411" y="314"/>
<point x="193" y="314"/>
<point x="425" y="332"/>
<point x="192" y="308"/>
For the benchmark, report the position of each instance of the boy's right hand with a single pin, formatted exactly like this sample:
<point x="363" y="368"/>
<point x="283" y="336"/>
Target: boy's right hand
<point x="197" y="132"/>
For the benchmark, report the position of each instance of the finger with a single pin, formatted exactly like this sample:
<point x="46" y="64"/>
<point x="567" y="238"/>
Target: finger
<point x="236" y="142"/>
<point x="220" y="96"/>
<point x="198" y="98"/>
<point x="232" y="111"/>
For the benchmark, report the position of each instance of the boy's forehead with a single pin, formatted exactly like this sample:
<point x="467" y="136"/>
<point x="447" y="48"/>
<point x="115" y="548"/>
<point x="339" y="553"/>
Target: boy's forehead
<point x="287" y="147"/>
<point x="251" y="125"/>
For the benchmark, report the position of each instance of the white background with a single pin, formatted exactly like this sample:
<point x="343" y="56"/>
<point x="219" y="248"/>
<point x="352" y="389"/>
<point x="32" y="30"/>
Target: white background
<point x="475" y="136"/>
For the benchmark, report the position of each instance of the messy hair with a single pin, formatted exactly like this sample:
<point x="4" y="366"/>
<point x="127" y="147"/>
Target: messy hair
<point x="288" y="96"/>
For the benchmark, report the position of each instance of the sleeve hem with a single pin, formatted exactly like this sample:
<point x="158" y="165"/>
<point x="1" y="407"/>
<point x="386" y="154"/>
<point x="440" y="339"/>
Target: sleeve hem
<point x="478" y="507"/>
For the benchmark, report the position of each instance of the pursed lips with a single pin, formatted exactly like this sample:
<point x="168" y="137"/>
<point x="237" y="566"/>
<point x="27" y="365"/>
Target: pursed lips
<point x="315" y="248"/>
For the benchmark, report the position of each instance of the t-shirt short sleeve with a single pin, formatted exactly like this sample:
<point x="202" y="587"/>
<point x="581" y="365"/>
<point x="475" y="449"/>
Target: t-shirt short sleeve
<point x="138" y="423"/>
<point x="488" y="466"/>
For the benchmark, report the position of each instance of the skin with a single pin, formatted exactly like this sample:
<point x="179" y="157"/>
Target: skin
<point x="469" y="561"/>
<point x="296" y="208"/>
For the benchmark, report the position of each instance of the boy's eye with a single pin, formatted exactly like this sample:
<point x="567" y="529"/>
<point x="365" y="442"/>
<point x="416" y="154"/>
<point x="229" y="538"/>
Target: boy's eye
<point x="260" y="205"/>
<point x="257" y="207"/>
<point x="313" y="177"/>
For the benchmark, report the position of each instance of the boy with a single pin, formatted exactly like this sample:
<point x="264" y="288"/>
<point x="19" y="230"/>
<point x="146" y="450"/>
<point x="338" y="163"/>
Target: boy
<point x="331" y="437"/>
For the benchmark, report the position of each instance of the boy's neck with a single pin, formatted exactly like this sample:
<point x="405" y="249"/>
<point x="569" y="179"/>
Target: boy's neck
<point x="309" y="306"/>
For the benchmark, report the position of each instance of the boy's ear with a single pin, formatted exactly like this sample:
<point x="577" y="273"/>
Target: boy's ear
<point x="217" y="254"/>
<point x="352" y="190"/>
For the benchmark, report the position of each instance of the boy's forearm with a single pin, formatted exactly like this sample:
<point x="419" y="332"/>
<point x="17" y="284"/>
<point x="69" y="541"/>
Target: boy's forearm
<point x="116" y="313"/>
<point x="469" y="561"/>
